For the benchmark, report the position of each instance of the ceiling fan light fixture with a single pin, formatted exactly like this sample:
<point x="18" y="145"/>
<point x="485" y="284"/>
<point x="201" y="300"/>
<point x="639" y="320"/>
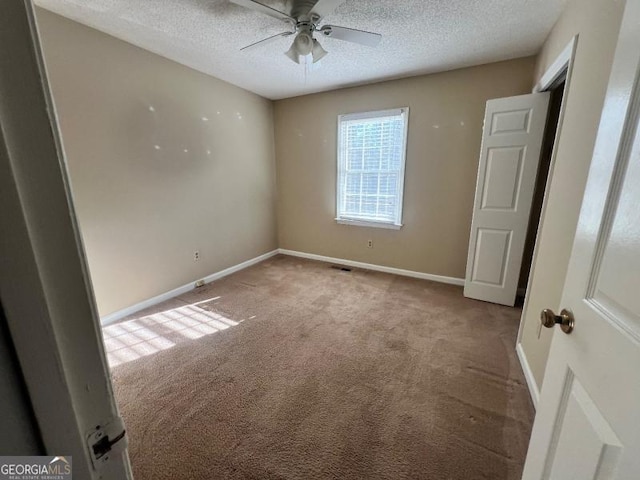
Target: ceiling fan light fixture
<point x="303" y="43"/>
<point x="318" y="52"/>
<point x="293" y="54"/>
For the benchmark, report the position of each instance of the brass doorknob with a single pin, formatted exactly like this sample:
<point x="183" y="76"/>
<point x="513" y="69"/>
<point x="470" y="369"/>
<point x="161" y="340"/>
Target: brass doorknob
<point x="565" y="319"/>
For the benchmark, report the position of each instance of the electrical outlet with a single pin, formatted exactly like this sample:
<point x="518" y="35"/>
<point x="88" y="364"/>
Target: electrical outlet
<point x="196" y="255"/>
<point x="369" y="243"/>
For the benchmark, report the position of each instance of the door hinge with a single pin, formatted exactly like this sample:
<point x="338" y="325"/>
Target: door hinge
<point x="107" y="440"/>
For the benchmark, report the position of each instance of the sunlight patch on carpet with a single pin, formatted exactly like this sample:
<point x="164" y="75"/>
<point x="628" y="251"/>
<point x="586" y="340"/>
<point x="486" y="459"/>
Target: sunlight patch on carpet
<point x="133" y="339"/>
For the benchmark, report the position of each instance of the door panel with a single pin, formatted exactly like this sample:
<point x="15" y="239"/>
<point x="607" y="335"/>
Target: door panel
<point x="492" y="245"/>
<point x="581" y="432"/>
<point x="616" y="283"/>
<point x="503" y="178"/>
<point x="515" y="121"/>
<point x="589" y="411"/>
<point x="509" y="158"/>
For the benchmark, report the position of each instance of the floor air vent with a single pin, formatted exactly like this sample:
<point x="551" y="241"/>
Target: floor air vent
<point x="340" y="267"/>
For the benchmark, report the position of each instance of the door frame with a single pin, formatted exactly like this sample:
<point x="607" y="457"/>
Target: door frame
<point x="46" y="290"/>
<point x="563" y="63"/>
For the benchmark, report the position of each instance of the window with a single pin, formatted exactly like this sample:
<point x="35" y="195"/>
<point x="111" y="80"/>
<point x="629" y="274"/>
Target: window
<point x="371" y="155"/>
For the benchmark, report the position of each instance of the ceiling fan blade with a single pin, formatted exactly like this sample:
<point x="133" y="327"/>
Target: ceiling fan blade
<point x="266" y="40"/>
<point x="324" y="7"/>
<point x="351" y="35"/>
<point x="262" y="8"/>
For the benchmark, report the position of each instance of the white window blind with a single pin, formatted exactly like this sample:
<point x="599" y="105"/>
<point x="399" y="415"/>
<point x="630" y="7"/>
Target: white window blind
<point x="371" y="158"/>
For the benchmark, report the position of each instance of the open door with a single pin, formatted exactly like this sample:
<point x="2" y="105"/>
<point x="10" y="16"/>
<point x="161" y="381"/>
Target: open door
<point x="45" y="288"/>
<point x="588" y="419"/>
<point x="509" y="158"/>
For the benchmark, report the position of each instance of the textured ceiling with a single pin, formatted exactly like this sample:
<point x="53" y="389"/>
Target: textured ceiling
<point x="419" y="36"/>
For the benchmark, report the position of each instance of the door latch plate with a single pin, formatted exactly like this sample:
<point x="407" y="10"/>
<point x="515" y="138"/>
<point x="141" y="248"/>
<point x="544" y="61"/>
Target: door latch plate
<point x="107" y="440"/>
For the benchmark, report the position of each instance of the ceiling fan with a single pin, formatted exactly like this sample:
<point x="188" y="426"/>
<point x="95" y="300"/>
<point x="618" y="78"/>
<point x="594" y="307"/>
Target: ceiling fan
<point x="304" y="20"/>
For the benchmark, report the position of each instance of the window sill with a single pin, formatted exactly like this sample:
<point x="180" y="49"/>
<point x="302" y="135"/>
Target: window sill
<point x="368" y="223"/>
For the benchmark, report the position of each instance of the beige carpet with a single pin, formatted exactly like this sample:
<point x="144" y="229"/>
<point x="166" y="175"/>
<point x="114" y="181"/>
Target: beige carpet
<point x="295" y="370"/>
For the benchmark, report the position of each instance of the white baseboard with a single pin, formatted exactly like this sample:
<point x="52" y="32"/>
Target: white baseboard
<point x="377" y="268"/>
<point x="528" y="375"/>
<point x="115" y="316"/>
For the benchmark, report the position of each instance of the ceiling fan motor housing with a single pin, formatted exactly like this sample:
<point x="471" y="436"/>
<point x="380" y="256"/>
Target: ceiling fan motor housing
<point x="301" y="8"/>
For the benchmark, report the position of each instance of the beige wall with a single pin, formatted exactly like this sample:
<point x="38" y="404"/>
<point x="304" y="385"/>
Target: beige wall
<point x="445" y="129"/>
<point x="597" y="23"/>
<point x="144" y="210"/>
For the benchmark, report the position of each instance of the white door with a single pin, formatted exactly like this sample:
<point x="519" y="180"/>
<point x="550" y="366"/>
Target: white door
<point x="509" y="158"/>
<point x="588" y="420"/>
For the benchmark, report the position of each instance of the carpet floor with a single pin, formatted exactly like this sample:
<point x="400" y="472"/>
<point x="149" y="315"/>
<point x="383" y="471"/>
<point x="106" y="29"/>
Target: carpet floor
<point x="292" y="369"/>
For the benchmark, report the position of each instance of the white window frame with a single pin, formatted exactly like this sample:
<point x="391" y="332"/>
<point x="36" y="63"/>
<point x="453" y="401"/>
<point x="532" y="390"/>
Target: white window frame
<point x="345" y="220"/>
